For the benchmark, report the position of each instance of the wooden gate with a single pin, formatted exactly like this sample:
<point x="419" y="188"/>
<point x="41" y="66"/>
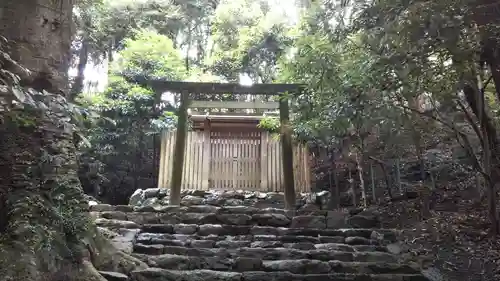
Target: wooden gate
<point x="235" y="160"/>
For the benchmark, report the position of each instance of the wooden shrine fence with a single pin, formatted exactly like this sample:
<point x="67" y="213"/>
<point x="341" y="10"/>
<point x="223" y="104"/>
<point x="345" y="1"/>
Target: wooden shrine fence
<point x="233" y="160"/>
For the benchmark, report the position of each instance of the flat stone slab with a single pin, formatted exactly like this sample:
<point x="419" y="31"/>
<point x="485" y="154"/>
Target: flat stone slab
<point x="298" y="266"/>
<point x="261" y="241"/>
<point x="362" y="236"/>
<point x="156" y="274"/>
<point x="267" y="253"/>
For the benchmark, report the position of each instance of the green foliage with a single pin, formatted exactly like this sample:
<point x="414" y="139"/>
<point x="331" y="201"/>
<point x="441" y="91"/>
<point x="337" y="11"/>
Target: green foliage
<point x="152" y="56"/>
<point x="270" y="124"/>
<point x="123" y="142"/>
<point x="248" y="39"/>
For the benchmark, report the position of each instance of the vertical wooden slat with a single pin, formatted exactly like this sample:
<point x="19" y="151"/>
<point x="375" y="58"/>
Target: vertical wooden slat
<point x="196" y="161"/>
<point x="170" y="149"/>
<point x="192" y="166"/>
<point x="272" y="152"/>
<point x="269" y="164"/>
<point x="248" y="155"/>
<point x="192" y="161"/>
<point x="224" y="163"/>
<point x="199" y="143"/>
<point x="263" y="162"/>
<point x="163" y="155"/>
<point x="277" y="165"/>
<point x="201" y="147"/>
<point x="213" y="162"/>
<point x="207" y="145"/>
<point x="222" y="155"/>
<point x="243" y="157"/>
<point x="251" y="157"/>
<point x="272" y="169"/>
<point x="256" y="162"/>
<point x="217" y="152"/>
<point x="237" y="164"/>
<point x="199" y="150"/>
<point x="305" y="164"/>
<point x="302" y="168"/>
<point x="216" y="159"/>
<point x="296" y="174"/>
<point x="306" y="161"/>
<point x="168" y="164"/>
<point x="294" y="165"/>
<point x="185" y="169"/>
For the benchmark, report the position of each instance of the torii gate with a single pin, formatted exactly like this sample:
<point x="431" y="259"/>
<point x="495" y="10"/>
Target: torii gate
<point x="188" y="89"/>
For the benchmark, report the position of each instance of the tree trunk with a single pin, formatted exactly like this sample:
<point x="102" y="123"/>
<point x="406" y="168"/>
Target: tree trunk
<point x="41" y="31"/>
<point x="359" y="168"/>
<point x="491" y="162"/>
<point x="83" y="58"/>
<point x="386" y="175"/>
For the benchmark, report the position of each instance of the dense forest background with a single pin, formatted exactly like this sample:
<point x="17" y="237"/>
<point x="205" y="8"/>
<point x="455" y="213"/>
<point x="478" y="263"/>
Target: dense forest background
<point x="389" y="102"/>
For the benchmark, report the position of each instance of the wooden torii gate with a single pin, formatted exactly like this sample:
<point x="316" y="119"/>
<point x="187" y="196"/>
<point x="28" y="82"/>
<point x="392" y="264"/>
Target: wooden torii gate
<point x="190" y="92"/>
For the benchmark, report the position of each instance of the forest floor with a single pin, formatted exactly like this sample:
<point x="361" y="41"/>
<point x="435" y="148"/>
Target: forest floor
<point x="454" y="239"/>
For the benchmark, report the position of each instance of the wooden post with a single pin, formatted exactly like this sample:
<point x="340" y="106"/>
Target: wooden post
<point x="179" y="149"/>
<point x="163" y="156"/>
<point x="207" y="153"/>
<point x="287" y="153"/>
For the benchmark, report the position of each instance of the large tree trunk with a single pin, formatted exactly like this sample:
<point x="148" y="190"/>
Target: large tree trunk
<point x="41" y="31"/>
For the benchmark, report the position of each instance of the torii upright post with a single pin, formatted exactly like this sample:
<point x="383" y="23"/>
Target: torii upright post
<point x="287" y="153"/>
<point x="179" y="150"/>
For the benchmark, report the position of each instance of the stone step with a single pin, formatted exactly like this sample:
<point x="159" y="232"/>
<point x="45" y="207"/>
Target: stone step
<point x="269" y="219"/>
<point x="297" y="266"/>
<point x="350" y="244"/>
<point x="266" y="253"/>
<point x="157" y="274"/>
<point x="238" y="215"/>
<point x="241" y="209"/>
<point x="382" y="235"/>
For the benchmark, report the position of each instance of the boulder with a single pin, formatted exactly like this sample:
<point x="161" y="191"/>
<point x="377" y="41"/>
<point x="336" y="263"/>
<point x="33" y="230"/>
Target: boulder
<point x="359" y="221"/>
<point x="151" y="202"/>
<point x="151" y="192"/>
<point x="309" y="222"/>
<point x="137" y="198"/>
<point x="271" y="219"/>
<point x="190" y="200"/>
<point x="336" y="219"/>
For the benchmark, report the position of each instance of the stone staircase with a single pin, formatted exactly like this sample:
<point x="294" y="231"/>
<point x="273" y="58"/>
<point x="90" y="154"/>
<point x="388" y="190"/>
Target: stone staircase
<point x="248" y="243"/>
